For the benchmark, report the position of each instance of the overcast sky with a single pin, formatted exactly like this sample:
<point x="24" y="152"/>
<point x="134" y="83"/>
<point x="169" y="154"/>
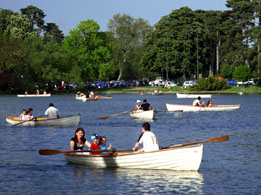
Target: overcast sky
<point x="67" y="14"/>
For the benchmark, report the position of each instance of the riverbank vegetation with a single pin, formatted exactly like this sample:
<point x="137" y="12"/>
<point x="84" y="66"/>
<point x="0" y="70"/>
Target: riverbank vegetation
<point x="182" y="45"/>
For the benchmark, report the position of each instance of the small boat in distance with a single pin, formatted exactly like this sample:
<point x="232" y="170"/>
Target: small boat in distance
<point x="145" y="115"/>
<point x="191" y="108"/>
<point x="34" y="95"/>
<point x="187" y="158"/>
<point x="183" y="95"/>
<point x="62" y="121"/>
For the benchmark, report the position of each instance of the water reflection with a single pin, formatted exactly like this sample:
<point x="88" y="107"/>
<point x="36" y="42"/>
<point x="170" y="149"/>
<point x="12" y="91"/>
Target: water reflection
<point x="145" y="181"/>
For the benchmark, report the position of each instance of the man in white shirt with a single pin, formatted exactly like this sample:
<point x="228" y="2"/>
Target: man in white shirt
<point x="52" y="112"/>
<point x="148" y="139"/>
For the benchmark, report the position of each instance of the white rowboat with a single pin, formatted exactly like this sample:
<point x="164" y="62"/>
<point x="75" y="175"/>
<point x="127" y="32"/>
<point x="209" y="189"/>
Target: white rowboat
<point x="190" y="108"/>
<point x="34" y="95"/>
<point x="182" y="95"/>
<point x="186" y="158"/>
<point x="148" y="115"/>
<point x="62" y="121"/>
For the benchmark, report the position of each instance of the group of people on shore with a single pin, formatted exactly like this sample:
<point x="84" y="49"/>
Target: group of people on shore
<point x="197" y="102"/>
<point x="51" y="113"/>
<point x="147" y="138"/>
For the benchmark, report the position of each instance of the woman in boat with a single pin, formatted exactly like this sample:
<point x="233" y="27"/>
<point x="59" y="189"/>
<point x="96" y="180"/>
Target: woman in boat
<point x="138" y="106"/>
<point x="23" y="115"/>
<point x="209" y="103"/>
<point x="148" y="139"/>
<point x="78" y="141"/>
<point x="103" y="145"/>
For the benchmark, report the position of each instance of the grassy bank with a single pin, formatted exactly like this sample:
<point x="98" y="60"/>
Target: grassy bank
<point x="178" y="89"/>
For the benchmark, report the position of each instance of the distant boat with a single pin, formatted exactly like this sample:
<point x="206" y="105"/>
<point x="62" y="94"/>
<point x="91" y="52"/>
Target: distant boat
<point x="34" y="95"/>
<point x="183" y="95"/>
<point x="62" y="121"/>
<point x="191" y="108"/>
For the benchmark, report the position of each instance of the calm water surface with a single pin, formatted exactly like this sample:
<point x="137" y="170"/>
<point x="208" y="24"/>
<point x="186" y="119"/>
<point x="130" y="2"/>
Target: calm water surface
<point x="232" y="167"/>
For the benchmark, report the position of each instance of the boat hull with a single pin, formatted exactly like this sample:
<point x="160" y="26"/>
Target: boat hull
<point x="147" y="115"/>
<point x="182" y="95"/>
<point x="62" y="121"/>
<point x="34" y="95"/>
<point x="190" y="108"/>
<point x="182" y="159"/>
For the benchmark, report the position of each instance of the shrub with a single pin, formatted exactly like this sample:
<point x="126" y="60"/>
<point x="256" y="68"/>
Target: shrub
<point x="209" y="84"/>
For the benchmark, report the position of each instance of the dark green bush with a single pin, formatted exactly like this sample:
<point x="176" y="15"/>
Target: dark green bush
<point x="209" y="84"/>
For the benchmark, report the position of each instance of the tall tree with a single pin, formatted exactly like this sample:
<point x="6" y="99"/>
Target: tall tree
<point x="90" y="49"/>
<point x="52" y="31"/>
<point x="129" y="34"/>
<point x="36" y="16"/>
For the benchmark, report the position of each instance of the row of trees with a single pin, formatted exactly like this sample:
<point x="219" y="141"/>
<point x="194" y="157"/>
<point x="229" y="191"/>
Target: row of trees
<point x="184" y="44"/>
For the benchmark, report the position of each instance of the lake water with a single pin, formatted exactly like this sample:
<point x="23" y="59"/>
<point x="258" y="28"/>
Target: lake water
<point x="231" y="167"/>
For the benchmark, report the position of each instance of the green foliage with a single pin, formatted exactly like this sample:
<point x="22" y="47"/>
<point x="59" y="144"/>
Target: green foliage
<point x="242" y="73"/>
<point x="227" y="71"/>
<point x="209" y="84"/>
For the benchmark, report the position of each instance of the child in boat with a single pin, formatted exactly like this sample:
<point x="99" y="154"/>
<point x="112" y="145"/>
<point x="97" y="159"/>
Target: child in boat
<point x="23" y="115"/>
<point x="103" y="145"/>
<point x="29" y="115"/>
<point x="95" y="144"/>
<point x="209" y="103"/>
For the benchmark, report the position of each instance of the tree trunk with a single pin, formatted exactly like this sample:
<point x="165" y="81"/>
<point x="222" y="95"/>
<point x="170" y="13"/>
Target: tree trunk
<point x="217" y="56"/>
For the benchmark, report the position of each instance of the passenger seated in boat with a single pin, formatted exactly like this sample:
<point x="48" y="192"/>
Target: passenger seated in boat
<point x="209" y="103"/>
<point x="78" y="141"/>
<point x="146" y="106"/>
<point x="29" y="115"/>
<point x="37" y="92"/>
<point x="92" y="95"/>
<point x="103" y="145"/>
<point x="44" y="92"/>
<point x="148" y="139"/>
<point x="138" y="107"/>
<point x="23" y="115"/>
<point x="95" y="144"/>
<point x="52" y="112"/>
<point x="197" y="102"/>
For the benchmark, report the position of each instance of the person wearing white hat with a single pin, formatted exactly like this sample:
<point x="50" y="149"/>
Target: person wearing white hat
<point x="138" y="106"/>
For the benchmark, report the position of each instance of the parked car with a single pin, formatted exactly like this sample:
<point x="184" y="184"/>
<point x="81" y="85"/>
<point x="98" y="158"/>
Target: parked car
<point x="188" y="83"/>
<point x="231" y="82"/>
<point x="170" y="83"/>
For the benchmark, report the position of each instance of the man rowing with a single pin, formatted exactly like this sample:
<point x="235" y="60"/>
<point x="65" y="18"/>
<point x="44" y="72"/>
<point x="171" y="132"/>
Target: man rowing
<point x="148" y="139"/>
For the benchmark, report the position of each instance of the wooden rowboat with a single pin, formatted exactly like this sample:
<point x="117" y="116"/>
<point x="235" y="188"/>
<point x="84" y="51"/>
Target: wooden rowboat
<point x="186" y="158"/>
<point x="190" y="108"/>
<point x="34" y="95"/>
<point x="62" y="121"/>
<point x="182" y="95"/>
<point x="148" y="115"/>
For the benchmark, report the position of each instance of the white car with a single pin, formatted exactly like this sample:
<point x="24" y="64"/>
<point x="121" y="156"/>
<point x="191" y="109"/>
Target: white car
<point x="170" y="83"/>
<point x="188" y="84"/>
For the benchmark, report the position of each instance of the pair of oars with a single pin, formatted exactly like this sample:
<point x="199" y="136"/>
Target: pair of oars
<point x="210" y="140"/>
<point x="105" y="117"/>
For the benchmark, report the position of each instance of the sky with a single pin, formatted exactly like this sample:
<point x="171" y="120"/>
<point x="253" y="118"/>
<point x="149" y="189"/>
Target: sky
<point x="67" y="14"/>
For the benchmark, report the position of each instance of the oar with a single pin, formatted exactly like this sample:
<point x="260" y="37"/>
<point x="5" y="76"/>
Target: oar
<point x="210" y="140"/>
<point x="53" y="151"/>
<point x="169" y="111"/>
<point x="104" y="97"/>
<point x="105" y="117"/>
<point x="27" y="120"/>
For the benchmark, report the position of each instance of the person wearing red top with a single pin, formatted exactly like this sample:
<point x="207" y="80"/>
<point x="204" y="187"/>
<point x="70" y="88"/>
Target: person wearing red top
<point x="95" y="145"/>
